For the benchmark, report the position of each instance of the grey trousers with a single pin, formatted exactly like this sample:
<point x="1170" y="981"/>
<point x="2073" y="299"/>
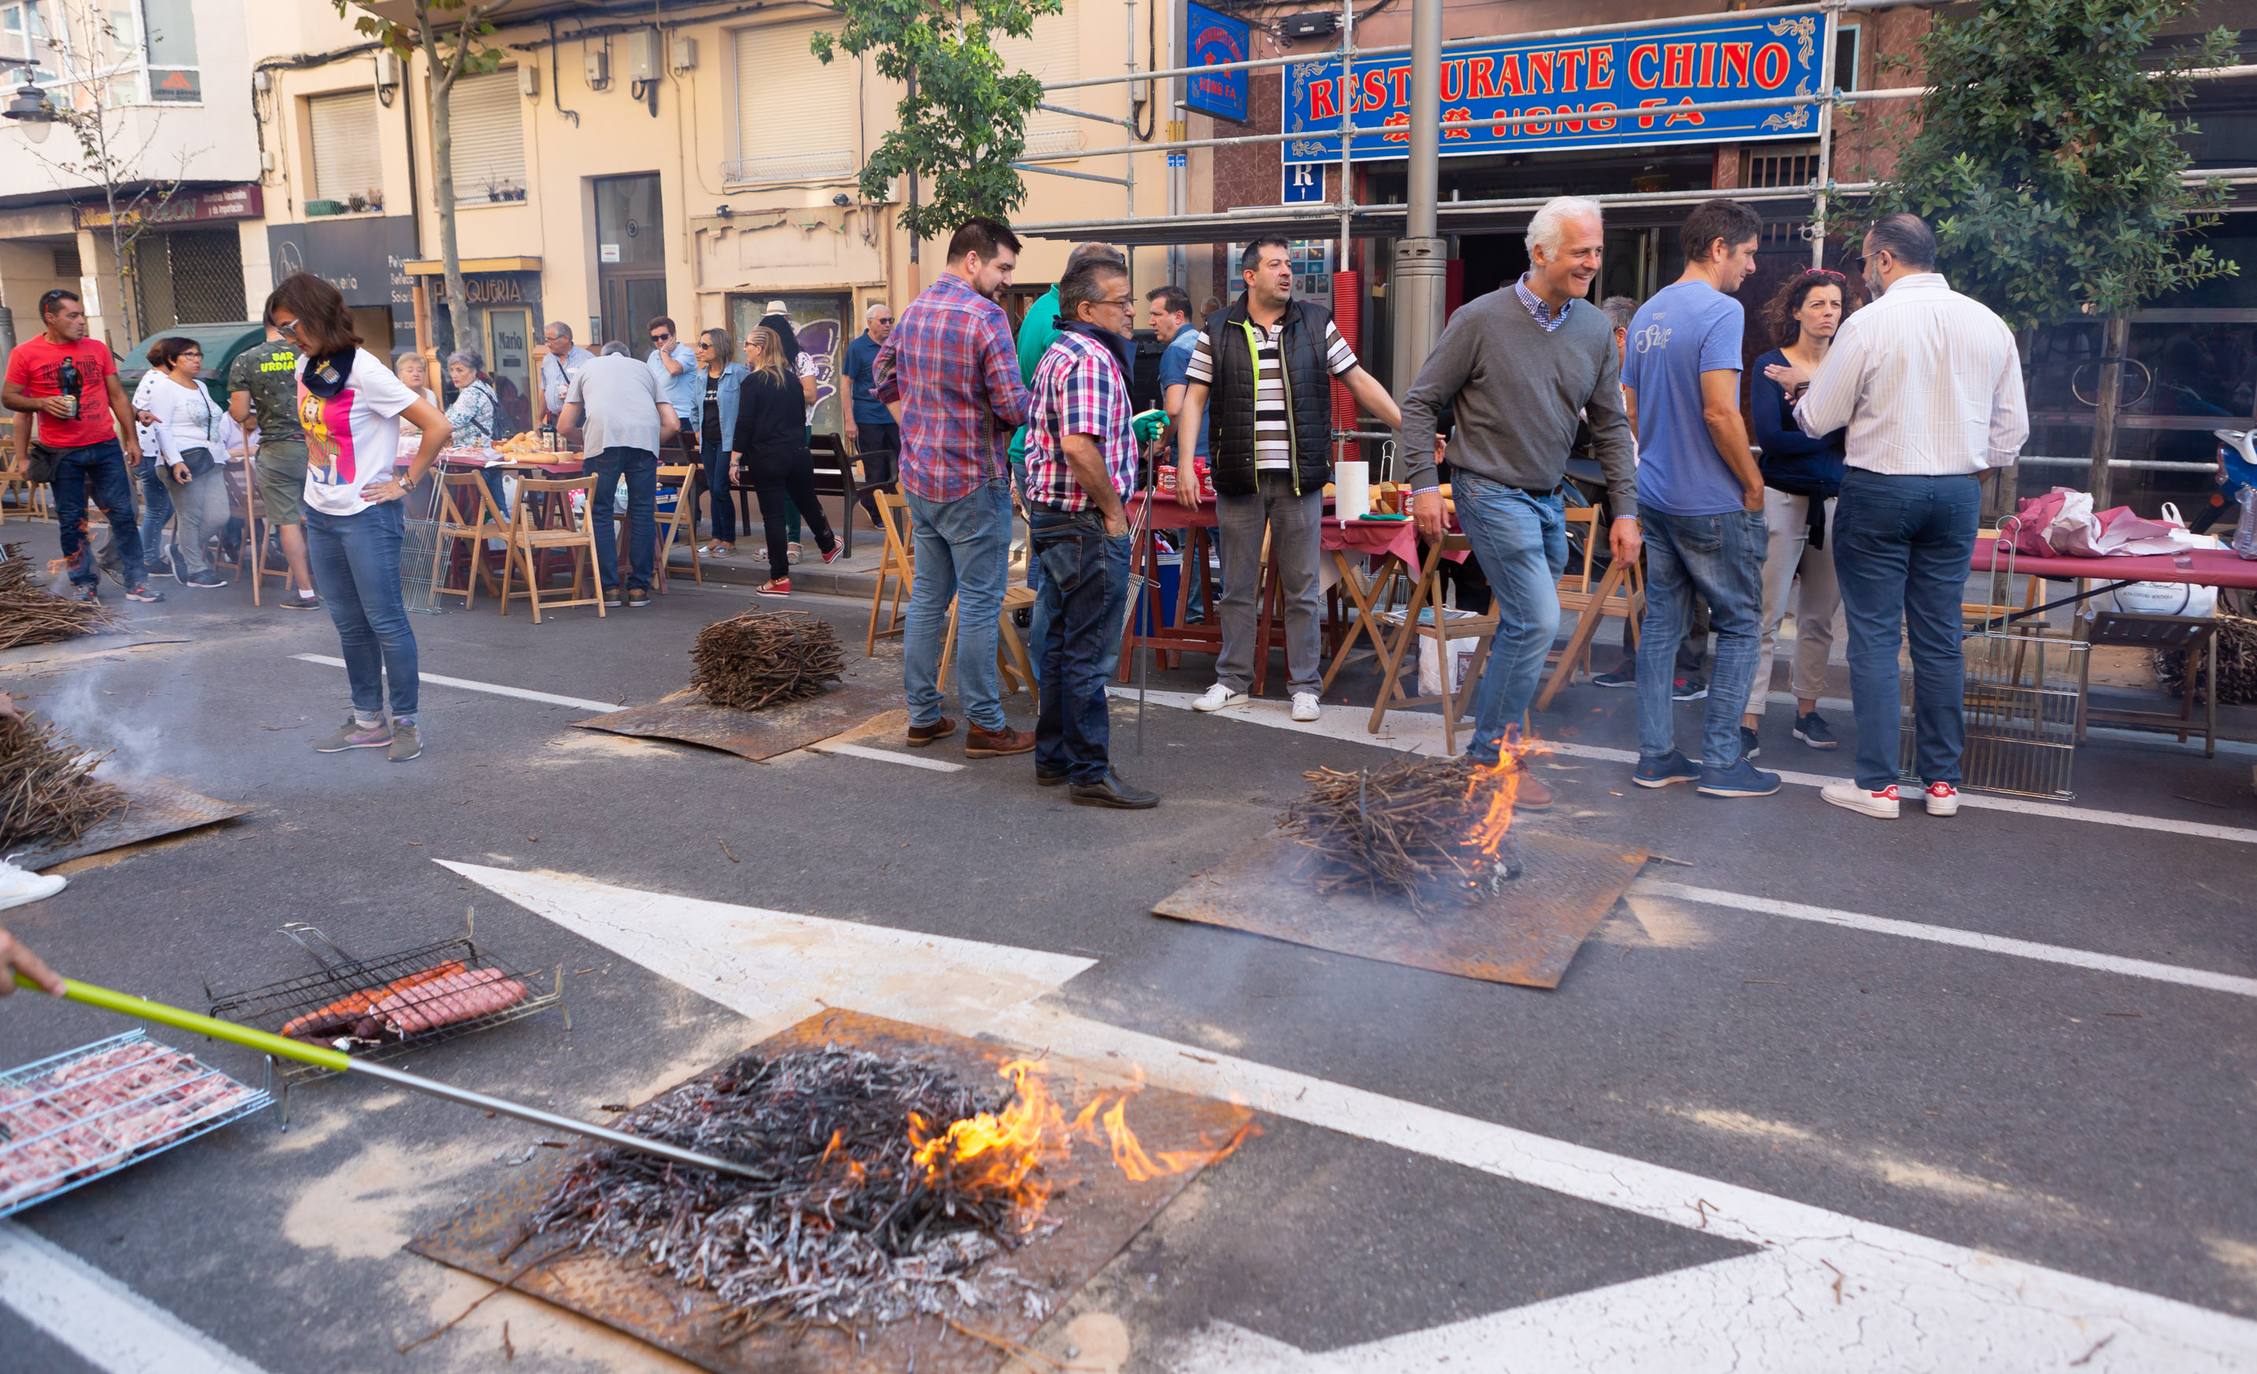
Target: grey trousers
<point x="200" y="512"/>
<point x="1295" y="528"/>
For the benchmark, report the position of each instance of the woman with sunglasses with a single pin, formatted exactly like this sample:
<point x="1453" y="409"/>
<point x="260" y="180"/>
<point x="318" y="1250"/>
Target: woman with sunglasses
<point x="720" y="388"/>
<point x="195" y="450"/>
<point x="354" y="522"/>
<point x="1801" y="478"/>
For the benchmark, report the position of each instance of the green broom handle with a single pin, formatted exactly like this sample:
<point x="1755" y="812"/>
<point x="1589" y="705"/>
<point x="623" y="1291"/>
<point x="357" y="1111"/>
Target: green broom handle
<point x="125" y="1004"/>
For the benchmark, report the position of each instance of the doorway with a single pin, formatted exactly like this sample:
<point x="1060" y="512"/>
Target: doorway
<point x="630" y="258"/>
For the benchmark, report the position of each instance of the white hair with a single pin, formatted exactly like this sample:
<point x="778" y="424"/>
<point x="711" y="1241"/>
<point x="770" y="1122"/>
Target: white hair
<point x="871" y="309"/>
<point x="1549" y="226"/>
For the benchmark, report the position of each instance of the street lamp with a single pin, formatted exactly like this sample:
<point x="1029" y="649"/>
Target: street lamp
<point x="33" y="112"/>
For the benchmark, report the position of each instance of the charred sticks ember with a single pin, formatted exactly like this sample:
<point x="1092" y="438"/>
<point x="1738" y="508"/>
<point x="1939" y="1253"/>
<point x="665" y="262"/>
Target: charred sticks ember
<point x="1425" y="830"/>
<point x="762" y="658"/>
<point x="847" y="1227"/>
<point x="47" y="791"/>
<point x="30" y="614"/>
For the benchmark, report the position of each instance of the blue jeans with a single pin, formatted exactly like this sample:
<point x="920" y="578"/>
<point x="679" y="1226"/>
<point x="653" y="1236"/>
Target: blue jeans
<point x="963" y="553"/>
<point x="713" y="458"/>
<point x="640" y="467"/>
<point x="1084" y="592"/>
<point x="1901" y="551"/>
<point x="156" y="508"/>
<point x="1721" y="556"/>
<point x="100" y="467"/>
<point x="1520" y="540"/>
<point x="356" y="568"/>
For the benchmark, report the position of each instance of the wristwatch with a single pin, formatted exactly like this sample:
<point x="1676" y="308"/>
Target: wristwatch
<point x="406" y="481"/>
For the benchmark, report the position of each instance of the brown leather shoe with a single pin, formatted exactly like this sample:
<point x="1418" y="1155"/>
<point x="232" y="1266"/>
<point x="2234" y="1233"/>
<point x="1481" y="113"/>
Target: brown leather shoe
<point x="1531" y="795"/>
<point x="994" y="744"/>
<point x="922" y="735"/>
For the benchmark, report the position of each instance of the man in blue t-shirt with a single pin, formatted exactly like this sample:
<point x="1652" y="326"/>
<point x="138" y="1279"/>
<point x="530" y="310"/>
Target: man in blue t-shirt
<point x="1700" y="497"/>
<point x="871" y="433"/>
<point x="1170" y="319"/>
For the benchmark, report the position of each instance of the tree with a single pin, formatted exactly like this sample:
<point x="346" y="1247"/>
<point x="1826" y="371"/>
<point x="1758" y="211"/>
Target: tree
<point x="962" y="120"/>
<point x="2051" y="164"/>
<point x="89" y="109"/>
<point x="452" y="36"/>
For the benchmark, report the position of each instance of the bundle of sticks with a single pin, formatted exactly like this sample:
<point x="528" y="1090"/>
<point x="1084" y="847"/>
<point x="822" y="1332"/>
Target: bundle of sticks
<point x="30" y="614"/>
<point x="842" y="1227"/>
<point x="48" y="794"/>
<point x="2237" y="663"/>
<point x="762" y="658"/>
<point x="1406" y="831"/>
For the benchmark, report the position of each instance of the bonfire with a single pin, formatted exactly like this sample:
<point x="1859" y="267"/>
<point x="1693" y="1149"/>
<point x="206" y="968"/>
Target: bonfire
<point x="1431" y="832"/>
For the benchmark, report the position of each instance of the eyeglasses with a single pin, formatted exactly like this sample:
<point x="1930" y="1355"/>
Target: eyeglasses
<point x="1124" y="302"/>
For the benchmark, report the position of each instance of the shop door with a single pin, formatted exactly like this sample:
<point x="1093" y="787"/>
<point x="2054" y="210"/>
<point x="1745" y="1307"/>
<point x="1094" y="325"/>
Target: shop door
<point x="630" y="259"/>
<point x="509" y="361"/>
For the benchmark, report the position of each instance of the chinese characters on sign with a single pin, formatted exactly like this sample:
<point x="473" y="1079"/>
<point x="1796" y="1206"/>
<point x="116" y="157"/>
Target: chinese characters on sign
<point x="1605" y="90"/>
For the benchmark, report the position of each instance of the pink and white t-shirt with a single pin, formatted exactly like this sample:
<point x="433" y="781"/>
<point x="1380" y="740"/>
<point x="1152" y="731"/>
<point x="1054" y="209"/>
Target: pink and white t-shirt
<point x="364" y="435"/>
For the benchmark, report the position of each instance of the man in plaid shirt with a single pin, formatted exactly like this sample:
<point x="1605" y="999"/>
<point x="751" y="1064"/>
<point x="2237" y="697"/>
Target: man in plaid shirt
<point x="1081" y="469"/>
<point x="950" y="376"/>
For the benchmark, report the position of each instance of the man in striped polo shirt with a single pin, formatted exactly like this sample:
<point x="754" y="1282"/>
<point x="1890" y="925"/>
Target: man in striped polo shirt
<point x="1268" y="362"/>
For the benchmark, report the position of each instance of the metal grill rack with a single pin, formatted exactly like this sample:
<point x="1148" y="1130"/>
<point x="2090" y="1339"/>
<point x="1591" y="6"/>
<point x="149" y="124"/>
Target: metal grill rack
<point x="50" y="1143"/>
<point x="275" y="1005"/>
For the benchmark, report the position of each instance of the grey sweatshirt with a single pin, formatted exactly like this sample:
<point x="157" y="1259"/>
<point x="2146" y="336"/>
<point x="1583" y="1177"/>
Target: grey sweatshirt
<point x="1518" y="393"/>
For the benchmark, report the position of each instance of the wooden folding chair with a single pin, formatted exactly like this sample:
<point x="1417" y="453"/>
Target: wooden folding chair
<point x="250" y="559"/>
<point x="567" y="527"/>
<point x="679" y="523"/>
<point x="1442" y="631"/>
<point x="1618" y="594"/>
<point x="466" y="513"/>
<point x="1012" y="660"/>
<point x="898" y="563"/>
<point x="35" y="505"/>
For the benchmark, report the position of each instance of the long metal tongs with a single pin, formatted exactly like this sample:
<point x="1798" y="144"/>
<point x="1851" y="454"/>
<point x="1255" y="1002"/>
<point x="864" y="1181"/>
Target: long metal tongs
<point x="141" y="1009"/>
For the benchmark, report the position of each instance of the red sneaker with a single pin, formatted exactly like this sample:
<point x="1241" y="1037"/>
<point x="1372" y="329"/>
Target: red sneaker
<point x="831" y="554"/>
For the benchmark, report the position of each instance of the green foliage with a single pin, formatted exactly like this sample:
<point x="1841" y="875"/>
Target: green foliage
<point x="457" y="31"/>
<point x="2049" y="158"/>
<point x="963" y="120"/>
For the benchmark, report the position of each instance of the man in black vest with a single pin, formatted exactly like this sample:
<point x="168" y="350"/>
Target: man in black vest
<point x="1268" y="362"/>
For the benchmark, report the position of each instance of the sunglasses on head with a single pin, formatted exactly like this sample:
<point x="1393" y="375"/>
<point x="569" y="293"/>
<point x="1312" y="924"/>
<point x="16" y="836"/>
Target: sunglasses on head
<point x="1826" y="272"/>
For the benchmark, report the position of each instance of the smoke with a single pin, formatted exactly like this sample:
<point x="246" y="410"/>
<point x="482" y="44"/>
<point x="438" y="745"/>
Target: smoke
<point x="100" y="714"/>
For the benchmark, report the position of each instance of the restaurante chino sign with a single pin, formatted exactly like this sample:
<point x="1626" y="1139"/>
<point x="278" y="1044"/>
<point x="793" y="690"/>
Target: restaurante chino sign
<point x="1614" y="90"/>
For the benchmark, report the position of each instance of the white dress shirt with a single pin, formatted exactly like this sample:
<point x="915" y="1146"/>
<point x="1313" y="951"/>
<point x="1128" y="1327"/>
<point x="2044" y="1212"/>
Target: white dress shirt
<point x="1927" y="381"/>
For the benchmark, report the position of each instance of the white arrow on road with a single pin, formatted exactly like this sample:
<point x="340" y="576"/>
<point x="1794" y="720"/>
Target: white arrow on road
<point x="1824" y="1291"/>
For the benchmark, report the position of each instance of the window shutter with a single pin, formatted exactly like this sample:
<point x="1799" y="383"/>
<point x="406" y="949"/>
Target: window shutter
<point x="345" y="158"/>
<point x="795" y="115"/>
<point x="1053" y="53"/>
<point x="488" y="128"/>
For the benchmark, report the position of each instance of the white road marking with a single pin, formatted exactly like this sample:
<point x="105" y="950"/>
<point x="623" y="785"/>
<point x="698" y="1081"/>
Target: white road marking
<point x="1965" y="939"/>
<point x="101" y="1320"/>
<point x="491" y="688"/>
<point x="1419" y="733"/>
<point x="2147" y="738"/>
<point x="864" y="751"/>
<point x="1907" y="1303"/>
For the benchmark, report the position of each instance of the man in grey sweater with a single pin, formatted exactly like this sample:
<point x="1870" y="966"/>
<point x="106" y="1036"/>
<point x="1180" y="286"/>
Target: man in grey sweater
<point x="1520" y="367"/>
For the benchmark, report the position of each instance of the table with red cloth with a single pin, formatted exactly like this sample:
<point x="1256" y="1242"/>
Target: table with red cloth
<point x="2203" y="567"/>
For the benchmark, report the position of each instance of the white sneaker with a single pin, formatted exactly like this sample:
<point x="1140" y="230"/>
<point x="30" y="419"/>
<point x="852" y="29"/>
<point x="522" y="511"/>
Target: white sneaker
<point x="1217" y="697"/>
<point x="1305" y="706"/>
<point x="1881" y="805"/>
<point x="1943" y="799"/>
<point x="21" y="885"/>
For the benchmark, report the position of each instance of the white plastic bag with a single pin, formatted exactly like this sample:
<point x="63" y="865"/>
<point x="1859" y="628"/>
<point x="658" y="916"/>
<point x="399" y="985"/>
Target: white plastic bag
<point x="1431" y="665"/>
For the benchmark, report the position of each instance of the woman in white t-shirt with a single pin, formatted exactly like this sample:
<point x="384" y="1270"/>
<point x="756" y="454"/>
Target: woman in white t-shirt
<point x="353" y="408"/>
<point x="192" y="476"/>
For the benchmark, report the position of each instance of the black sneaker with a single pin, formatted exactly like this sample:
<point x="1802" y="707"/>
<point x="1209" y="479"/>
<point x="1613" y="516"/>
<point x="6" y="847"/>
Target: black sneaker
<point x="611" y="598"/>
<point x="301" y="603"/>
<point x="1813" y="731"/>
<point x="204" y="581"/>
<point x="1751" y="744"/>
<point x="1688" y="689"/>
<point x="1625" y="676"/>
<point x="144" y="592"/>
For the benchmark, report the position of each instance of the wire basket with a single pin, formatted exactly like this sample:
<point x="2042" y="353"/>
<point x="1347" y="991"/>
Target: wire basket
<point x="2023" y="696"/>
<point x="419" y="541"/>
<point x="72" y="1118"/>
<point x="393" y="1024"/>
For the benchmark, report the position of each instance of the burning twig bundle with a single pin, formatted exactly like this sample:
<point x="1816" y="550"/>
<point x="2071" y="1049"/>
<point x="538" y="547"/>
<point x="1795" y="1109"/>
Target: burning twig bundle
<point x="30" y="614"/>
<point x="763" y="657"/>
<point x="47" y="791"/>
<point x="2237" y="663"/>
<point x="1419" y="829"/>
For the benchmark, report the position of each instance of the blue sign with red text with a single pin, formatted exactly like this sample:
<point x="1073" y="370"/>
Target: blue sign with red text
<point x="1213" y="38"/>
<point x="1612" y="90"/>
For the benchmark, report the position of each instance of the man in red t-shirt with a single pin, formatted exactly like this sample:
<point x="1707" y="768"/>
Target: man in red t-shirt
<point x="90" y="432"/>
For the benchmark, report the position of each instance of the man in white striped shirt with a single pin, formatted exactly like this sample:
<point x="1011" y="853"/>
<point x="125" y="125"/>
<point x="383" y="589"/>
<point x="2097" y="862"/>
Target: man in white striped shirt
<point x="1929" y="385"/>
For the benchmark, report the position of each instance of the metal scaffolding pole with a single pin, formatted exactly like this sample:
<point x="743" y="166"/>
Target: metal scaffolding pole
<point x="1418" y="288"/>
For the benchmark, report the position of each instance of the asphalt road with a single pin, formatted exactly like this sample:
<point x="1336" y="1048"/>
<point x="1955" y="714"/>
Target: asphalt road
<point x="2052" y="1106"/>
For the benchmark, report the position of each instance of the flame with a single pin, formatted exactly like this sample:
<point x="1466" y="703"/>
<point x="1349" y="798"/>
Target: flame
<point x="1007" y="1152"/>
<point x="1501" y="781"/>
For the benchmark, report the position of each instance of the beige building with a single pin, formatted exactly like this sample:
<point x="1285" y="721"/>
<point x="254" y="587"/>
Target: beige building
<point x="697" y="165"/>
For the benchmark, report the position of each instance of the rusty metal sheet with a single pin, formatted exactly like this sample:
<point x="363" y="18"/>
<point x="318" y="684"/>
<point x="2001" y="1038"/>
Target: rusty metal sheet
<point x="153" y="810"/>
<point x="1526" y="934"/>
<point x="687" y="717"/>
<point x="1099" y="1212"/>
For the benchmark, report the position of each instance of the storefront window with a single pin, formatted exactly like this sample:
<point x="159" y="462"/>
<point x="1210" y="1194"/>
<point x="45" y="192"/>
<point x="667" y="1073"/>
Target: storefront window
<point x="819" y="318"/>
